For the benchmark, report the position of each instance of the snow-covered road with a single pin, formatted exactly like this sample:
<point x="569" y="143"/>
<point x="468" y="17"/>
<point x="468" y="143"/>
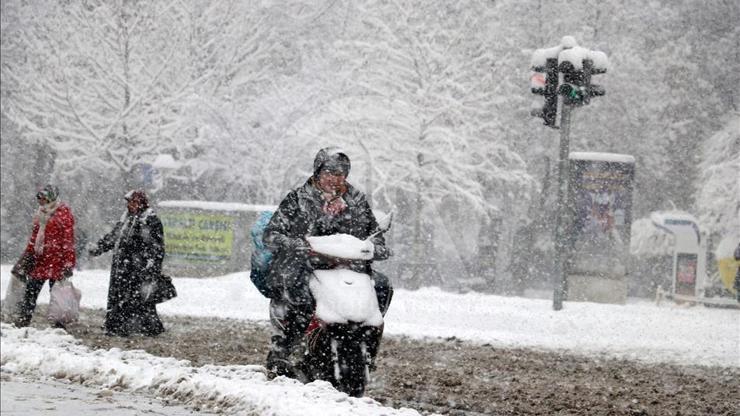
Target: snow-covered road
<point x="639" y="330"/>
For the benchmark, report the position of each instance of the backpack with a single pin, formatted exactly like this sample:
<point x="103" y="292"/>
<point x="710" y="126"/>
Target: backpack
<point x="261" y="255"/>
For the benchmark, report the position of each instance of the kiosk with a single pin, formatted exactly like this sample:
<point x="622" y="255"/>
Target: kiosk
<point x="600" y="212"/>
<point x="689" y="252"/>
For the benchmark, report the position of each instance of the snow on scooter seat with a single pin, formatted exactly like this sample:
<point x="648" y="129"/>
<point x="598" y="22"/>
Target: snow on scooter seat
<point x="342" y="246"/>
<point x="343" y="295"/>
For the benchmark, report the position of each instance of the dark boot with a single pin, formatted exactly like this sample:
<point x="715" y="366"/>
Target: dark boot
<point x="22" y="322"/>
<point x="151" y="325"/>
<point x="289" y="323"/>
<point x="278" y="361"/>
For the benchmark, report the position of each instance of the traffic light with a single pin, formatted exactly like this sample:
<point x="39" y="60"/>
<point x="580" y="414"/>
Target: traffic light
<point x="597" y="64"/>
<point x="545" y="82"/>
<point x="572" y="89"/>
<point x="576" y="87"/>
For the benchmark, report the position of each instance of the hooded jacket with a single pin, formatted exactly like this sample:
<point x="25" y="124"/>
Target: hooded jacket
<point x="58" y="252"/>
<point x="300" y="215"/>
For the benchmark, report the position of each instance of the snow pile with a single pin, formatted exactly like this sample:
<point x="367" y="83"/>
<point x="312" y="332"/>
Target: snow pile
<point x="602" y="157"/>
<point x="53" y="353"/>
<point x="569" y="51"/>
<point x="639" y="331"/>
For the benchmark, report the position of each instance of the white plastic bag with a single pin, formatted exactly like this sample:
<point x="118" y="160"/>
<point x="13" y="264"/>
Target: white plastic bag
<point x="13" y="298"/>
<point x="64" y="304"/>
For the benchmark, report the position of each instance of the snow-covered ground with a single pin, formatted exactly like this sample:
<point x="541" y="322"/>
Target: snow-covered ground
<point x="52" y="353"/>
<point x="639" y="330"/>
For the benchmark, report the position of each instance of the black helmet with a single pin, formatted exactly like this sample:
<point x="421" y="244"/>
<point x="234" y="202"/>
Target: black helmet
<point x="332" y="159"/>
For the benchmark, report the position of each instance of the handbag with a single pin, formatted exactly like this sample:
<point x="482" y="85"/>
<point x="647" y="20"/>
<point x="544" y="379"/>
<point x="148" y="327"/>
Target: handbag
<point x="24" y="265"/>
<point x="64" y="303"/>
<point x="158" y="289"/>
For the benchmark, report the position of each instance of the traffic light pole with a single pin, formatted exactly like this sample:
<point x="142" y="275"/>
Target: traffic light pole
<point x="561" y="223"/>
<point x="563" y="75"/>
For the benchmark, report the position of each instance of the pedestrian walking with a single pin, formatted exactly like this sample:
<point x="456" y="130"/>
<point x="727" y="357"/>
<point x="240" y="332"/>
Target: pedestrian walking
<point x="50" y="253"/>
<point x="137" y="241"/>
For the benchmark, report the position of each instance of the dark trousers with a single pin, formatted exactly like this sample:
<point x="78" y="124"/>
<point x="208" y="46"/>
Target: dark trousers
<point x="28" y="304"/>
<point x="289" y="322"/>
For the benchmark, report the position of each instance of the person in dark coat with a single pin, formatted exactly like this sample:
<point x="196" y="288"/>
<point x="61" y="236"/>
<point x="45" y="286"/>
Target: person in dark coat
<point x="137" y="241"/>
<point x="51" y="249"/>
<point x="325" y="204"/>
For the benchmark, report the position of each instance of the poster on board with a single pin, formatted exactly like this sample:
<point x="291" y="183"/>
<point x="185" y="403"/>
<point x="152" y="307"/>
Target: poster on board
<point x="600" y="191"/>
<point x="198" y="237"/>
<point x="685" y="281"/>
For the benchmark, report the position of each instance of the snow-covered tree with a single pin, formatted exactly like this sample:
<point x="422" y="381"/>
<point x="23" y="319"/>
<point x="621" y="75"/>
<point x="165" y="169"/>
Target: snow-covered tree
<point x="112" y="84"/>
<point x="91" y="83"/>
<point x="718" y="201"/>
<point x="417" y="104"/>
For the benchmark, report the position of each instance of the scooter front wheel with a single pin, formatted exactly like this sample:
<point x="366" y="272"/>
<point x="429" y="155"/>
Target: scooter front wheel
<point x="351" y="362"/>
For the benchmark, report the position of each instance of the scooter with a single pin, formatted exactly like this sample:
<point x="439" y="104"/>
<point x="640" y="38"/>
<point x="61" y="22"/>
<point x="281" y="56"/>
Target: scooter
<point x="345" y="331"/>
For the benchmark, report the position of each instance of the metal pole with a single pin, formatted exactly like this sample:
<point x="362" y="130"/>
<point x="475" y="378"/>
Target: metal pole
<point x="416" y="276"/>
<point x="560" y="247"/>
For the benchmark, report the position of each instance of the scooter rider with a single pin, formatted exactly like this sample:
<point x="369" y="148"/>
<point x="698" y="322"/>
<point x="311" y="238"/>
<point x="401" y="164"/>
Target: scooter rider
<point x="326" y="204"/>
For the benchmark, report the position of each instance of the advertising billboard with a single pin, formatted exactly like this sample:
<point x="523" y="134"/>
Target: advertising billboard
<point x="198" y="237"/>
<point x="207" y="238"/>
<point x="600" y="200"/>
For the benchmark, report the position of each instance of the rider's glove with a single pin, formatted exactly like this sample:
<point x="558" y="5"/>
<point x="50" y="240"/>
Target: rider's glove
<point x="299" y="245"/>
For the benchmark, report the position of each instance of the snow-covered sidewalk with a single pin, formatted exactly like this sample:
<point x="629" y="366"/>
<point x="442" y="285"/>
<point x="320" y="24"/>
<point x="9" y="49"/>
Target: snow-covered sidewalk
<point x="52" y="353"/>
<point x="640" y="330"/>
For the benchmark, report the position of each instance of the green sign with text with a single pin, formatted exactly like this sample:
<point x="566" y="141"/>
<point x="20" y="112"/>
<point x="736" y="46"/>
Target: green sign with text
<point x="198" y="238"/>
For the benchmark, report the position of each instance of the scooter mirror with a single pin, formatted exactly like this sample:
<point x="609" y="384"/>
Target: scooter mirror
<point x="384" y="221"/>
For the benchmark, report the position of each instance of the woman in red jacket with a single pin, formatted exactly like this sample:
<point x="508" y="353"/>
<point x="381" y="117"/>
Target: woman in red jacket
<point x="52" y="246"/>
